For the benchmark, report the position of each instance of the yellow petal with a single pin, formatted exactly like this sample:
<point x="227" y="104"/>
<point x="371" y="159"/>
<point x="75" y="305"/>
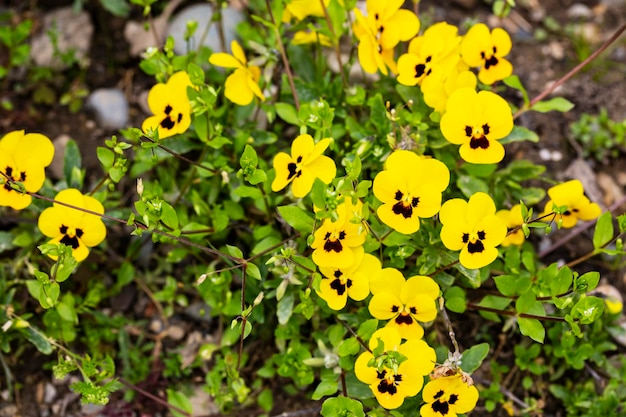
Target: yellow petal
<point x="222" y="59"/>
<point x="237" y="89"/>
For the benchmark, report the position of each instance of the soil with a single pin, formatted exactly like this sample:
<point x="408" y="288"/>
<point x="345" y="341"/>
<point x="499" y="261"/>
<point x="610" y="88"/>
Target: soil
<point x="537" y="62"/>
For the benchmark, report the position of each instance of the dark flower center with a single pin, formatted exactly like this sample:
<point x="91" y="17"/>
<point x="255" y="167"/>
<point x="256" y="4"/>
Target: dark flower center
<point x="477" y="246"/>
<point x="404" y="206"/>
<point x="68" y="239"/>
<point x="294" y="169"/>
<point x="9" y="173"/>
<point x="335" y="245"/>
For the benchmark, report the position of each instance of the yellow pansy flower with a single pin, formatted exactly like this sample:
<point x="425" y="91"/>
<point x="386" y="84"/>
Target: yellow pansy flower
<point x="303" y="37"/>
<point x="243" y="84"/>
<point x="448" y="396"/>
<point x="476" y="121"/>
<point x="572" y="195"/>
<point x="410" y="188"/>
<point x="404" y="303"/>
<point x="436" y="51"/>
<point x="72" y="227"/>
<point x="353" y="281"/>
<point x="305" y="163"/>
<point x="438" y="87"/>
<point x="486" y="50"/>
<point x="23" y="158"/>
<point x="391" y="382"/>
<point x="473" y="228"/>
<point x="170" y="105"/>
<point x="513" y="219"/>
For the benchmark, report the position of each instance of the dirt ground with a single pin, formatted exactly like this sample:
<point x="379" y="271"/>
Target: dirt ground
<point x="538" y="62"/>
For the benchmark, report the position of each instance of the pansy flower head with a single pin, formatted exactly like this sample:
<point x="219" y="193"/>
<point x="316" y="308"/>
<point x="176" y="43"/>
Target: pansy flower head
<point x="243" y="84"/>
<point x="486" y="50"/>
<point x="572" y="195"/>
<point x="74" y="228"/>
<point x="380" y="31"/>
<point x="476" y="121"/>
<point x="448" y="396"/>
<point x="440" y="86"/>
<point x="473" y="228"/>
<point x="404" y="303"/>
<point x="513" y="220"/>
<point x="436" y="51"/>
<point x="354" y="281"/>
<point x="338" y="243"/>
<point x="398" y="370"/>
<point x="170" y="105"/>
<point x="410" y="188"/>
<point x="305" y="163"/>
<point x="23" y="158"/>
<point x="303" y="37"/>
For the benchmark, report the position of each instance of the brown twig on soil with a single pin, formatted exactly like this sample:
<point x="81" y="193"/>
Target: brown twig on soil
<point x="153" y="397"/>
<point x="572" y="72"/>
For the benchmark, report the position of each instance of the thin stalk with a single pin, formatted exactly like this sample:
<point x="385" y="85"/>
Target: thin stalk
<point x="244" y="318"/>
<point x="446" y="319"/>
<point x="179" y="156"/>
<point x="572" y="72"/>
<point x="153" y="397"/>
<point x="283" y="54"/>
<point x="329" y="23"/>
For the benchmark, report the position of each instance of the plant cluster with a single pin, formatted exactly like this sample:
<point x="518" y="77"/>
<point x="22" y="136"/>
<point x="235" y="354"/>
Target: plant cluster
<point x="335" y="219"/>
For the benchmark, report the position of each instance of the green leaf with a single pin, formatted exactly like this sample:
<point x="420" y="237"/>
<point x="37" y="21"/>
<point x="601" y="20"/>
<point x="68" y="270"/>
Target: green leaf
<point x="348" y="347"/>
<point x="253" y="271"/>
<point x="510" y="285"/>
<point x="557" y="103"/>
<point x="470" y="185"/>
<point x="284" y="308"/>
<point x="561" y="283"/>
<point x="532" y="328"/>
<point x="288" y="113"/>
<point x="72" y="159"/>
<point x="455" y="299"/>
<point x="514" y="82"/>
<point x="196" y="74"/>
<point x="168" y="215"/>
<point x="234" y="251"/>
<point x="37" y="338"/>
<point x="342" y="407"/>
<point x="106" y="157"/>
<point x="180" y="400"/>
<point x="325" y="388"/>
<point x="587" y="282"/>
<point x="249" y="158"/>
<point x="297" y="218"/>
<point x="588" y="309"/>
<point x="604" y="230"/>
<point x="520" y="134"/>
<point x="119" y="8"/>
<point x="474" y="356"/>
<point x="525" y="302"/>
<point x="6" y="241"/>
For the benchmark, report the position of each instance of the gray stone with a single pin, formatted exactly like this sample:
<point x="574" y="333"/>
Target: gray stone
<point x="579" y="11"/>
<point x="202" y="13"/>
<point x="60" y="144"/>
<point x="74" y="32"/>
<point x="110" y="107"/>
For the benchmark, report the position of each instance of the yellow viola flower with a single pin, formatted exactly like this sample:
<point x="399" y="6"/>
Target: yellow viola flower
<point x="436" y="51"/>
<point x="170" y="105"/>
<point x="380" y="31"/>
<point x="303" y="37"/>
<point x="512" y="219"/>
<point x="473" y="228"/>
<point x="73" y="227"/>
<point x="337" y="244"/>
<point x="305" y="163"/>
<point x="438" y="87"/>
<point x="486" y="50"/>
<point x="572" y="195"/>
<point x="391" y="382"/>
<point x="448" y="396"/>
<point x="410" y="188"/>
<point x="404" y="303"/>
<point x="353" y="281"/>
<point x="476" y="121"/>
<point x="243" y="84"/>
<point x="23" y="158"/>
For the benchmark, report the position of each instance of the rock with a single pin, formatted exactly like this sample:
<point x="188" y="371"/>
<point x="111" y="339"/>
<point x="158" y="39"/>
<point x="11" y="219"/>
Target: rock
<point x="8" y="410"/>
<point x="201" y="402"/>
<point x="140" y="37"/>
<point x="74" y="32"/>
<point x="579" y="11"/>
<point x="611" y="190"/>
<point x="49" y="393"/>
<point x="203" y="13"/>
<point x="110" y="107"/>
<point x="56" y="167"/>
<point x="175" y="332"/>
<point x="156" y="326"/>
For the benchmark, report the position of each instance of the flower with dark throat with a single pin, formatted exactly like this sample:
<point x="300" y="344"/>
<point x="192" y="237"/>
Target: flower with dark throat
<point x="78" y="229"/>
<point x="448" y="396"/>
<point x="476" y="121"/>
<point x="305" y="163"/>
<point x="572" y="195"/>
<point x="487" y="50"/>
<point x="394" y="370"/>
<point x="23" y="158"/>
<point x="170" y="106"/>
<point x="473" y="228"/>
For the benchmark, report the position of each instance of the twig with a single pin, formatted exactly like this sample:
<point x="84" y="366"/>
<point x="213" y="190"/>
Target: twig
<point x="356" y="336"/>
<point x="451" y="333"/>
<point x="153" y="397"/>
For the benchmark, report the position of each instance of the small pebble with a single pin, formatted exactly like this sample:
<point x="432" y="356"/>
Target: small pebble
<point x="579" y="11"/>
<point x="175" y="332"/>
<point x="110" y="107"/>
<point x="56" y="167"/>
<point x="203" y="13"/>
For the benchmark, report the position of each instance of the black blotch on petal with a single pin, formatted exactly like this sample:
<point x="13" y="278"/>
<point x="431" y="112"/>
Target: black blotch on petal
<point x="481" y="142"/>
<point x="475" y="247"/>
<point x="338" y="287"/>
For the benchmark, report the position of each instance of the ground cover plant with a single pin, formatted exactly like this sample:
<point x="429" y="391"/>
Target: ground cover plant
<point x="334" y="193"/>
